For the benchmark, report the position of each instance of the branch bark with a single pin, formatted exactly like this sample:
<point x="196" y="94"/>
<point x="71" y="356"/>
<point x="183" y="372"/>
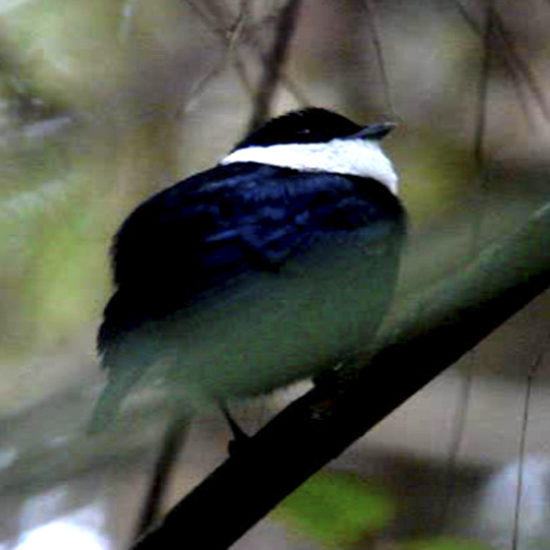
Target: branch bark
<point x="435" y="330"/>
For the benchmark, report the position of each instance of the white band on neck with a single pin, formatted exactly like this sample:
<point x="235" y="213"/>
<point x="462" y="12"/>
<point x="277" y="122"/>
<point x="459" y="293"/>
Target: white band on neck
<point x="353" y="157"/>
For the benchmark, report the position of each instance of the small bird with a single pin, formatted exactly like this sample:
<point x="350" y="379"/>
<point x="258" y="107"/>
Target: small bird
<point x="273" y="266"/>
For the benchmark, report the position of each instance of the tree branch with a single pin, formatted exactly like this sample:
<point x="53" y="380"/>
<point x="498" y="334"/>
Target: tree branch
<point x="436" y="329"/>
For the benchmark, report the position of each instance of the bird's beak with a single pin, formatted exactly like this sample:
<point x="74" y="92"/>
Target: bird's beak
<point x="374" y="131"/>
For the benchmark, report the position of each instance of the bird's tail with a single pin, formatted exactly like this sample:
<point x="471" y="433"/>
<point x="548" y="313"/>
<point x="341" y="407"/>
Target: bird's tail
<point x="123" y="357"/>
<point x="104" y="411"/>
<point x="106" y="408"/>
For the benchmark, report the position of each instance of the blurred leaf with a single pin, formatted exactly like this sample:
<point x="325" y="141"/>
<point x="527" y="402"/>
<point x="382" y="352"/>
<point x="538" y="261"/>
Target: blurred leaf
<point x="336" y="509"/>
<point x="66" y="283"/>
<point x="67" y="49"/>
<point x="433" y="174"/>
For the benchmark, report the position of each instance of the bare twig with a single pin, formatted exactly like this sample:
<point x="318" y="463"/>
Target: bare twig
<point x="521" y="463"/>
<point x="448" y="322"/>
<point x="210" y="11"/>
<point x="246" y="35"/>
<point x="519" y="87"/>
<point x="522" y="68"/>
<point x="457" y="436"/>
<point x="290" y="84"/>
<point x="201" y="85"/>
<point x="372" y="21"/>
<point x="483" y="86"/>
<point x="232" y="47"/>
<point x="476" y="27"/>
<point x="172" y="443"/>
<point x="480" y="129"/>
<point x="231" y="38"/>
<point x="275" y="60"/>
<point x="238" y="25"/>
<point x="204" y="16"/>
<point x="519" y="71"/>
<point x="531" y="373"/>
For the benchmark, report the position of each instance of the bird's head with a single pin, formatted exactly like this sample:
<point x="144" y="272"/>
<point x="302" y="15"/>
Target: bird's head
<point x="319" y="140"/>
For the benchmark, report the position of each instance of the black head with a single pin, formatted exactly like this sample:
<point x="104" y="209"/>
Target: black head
<point x="312" y="125"/>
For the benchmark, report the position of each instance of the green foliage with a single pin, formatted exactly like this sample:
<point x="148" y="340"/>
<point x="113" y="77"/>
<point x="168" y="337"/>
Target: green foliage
<point x="336" y="509"/>
<point x="68" y="50"/>
<point x="434" y="173"/>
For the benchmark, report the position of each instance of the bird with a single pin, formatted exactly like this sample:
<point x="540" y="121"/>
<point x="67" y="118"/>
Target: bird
<point x="273" y="266"/>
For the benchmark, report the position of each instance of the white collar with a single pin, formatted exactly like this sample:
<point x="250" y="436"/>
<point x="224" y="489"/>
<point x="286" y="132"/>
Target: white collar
<point x="353" y="157"/>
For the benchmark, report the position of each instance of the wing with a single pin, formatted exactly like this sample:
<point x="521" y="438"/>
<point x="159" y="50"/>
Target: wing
<point x="206" y="231"/>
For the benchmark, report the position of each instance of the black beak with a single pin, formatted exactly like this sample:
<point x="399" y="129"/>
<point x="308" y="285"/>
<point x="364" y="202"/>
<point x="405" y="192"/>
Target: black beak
<point x="374" y="131"/>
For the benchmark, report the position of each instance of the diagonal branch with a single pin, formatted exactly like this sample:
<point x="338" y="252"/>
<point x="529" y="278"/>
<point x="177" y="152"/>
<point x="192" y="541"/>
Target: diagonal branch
<point x="436" y="329"/>
<point x="523" y="69"/>
<point x="519" y="71"/>
<point x="274" y="63"/>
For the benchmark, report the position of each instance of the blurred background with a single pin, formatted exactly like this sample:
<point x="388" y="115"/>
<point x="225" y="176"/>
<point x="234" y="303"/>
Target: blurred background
<point x="104" y="103"/>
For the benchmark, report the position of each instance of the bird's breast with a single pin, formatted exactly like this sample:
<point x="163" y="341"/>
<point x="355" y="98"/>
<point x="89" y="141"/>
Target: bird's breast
<point x="272" y="328"/>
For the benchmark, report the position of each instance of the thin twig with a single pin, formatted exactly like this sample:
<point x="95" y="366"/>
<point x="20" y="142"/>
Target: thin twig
<point x="531" y="373"/>
<point x="231" y="38"/>
<point x="211" y="11"/>
<point x="232" y="47"/>
<point x="276" y="58"/>
<point x="238" y="25"/>
<point x="290" y="84"/>
<point x="207" y="18"/>
<point x="480" y="130"/>
<point x="518" y="84"/>
<point x="520" y="72"/>
<point x="522" y="68"/>
<point x="483" y="87"/>
<point x="200" y="86"/>
<point x="521" y="463"/>
<point x="172" y="443"/>
<point x="477" y="28"/>
<point x="372" y="21"/>
<point x="457" y="436"/>
<point x="248" y="36"/>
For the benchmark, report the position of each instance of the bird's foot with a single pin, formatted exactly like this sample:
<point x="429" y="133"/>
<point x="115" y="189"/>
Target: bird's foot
<point x="240" y="438"/>
<point x="326" y="378"/>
